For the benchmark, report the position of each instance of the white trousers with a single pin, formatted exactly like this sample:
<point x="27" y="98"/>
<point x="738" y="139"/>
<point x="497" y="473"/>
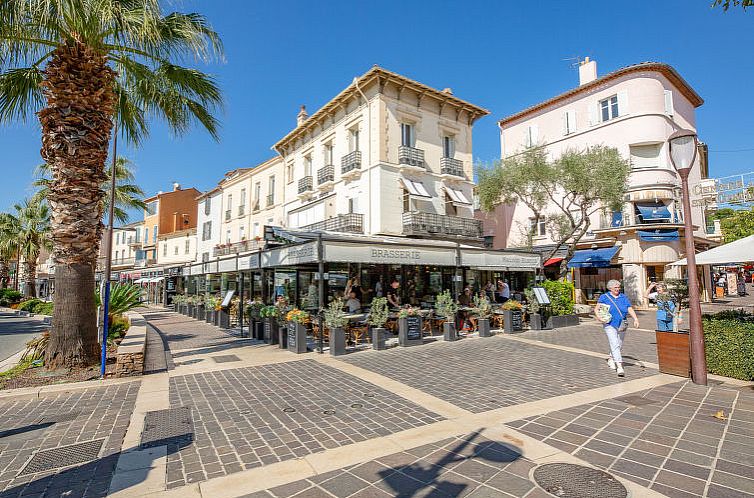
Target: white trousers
<point x="615" y="340"/>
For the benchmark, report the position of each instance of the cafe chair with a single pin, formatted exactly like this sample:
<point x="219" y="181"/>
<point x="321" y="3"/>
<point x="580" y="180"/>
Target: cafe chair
<point x="358" y="331"/>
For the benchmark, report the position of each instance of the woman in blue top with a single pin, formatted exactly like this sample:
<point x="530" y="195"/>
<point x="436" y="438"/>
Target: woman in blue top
<point x="665" y="309"/>
<point x="615" y="328"/>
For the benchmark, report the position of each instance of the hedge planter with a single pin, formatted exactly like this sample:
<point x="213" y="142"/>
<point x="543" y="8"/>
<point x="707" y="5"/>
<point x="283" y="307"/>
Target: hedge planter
<point x="673" y="353"/>
<point x="271" y="334"/>
<point x="295" y="337"/>
<point x="223" y="319"/>
<point x="410" y="331"/>
<point x="483" y="325"/>
<point x="257" y="329"/>
<point x="535" y="321"/>
<point x="190" y="310"/>
<point x="378" y="338"/>
<point x="209" y="316"/>
<point x="513" y="321"/>
<point x="200" y="312"/>
<point x="337" y="341"/>
<point x="559" y="322"/>
<point x="449" y="331"/>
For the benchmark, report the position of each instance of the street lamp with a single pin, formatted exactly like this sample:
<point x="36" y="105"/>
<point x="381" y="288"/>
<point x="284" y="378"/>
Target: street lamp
<point x="682" y="145"/>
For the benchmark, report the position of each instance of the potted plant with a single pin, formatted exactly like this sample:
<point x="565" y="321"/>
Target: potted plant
<point x="269" y="315"/>
<point x="297" y="320"/>
<point x="482" y="310"/>
<point x="234" y="312"/>
<point x="335" y="320"/>
<point x="446" y="307"/>
<point x="200" y="308"/>
<point x="533" y="310"/>
<point x="254" y="312"/>
<point x="190" y="305"/>
<point x="178" y="302"/>
<point x="673" y="350"/>
<point x="210" y="302"/>
<point x="513" y="316"/>
<point x="409" y="326"/>
<point x="560" y="294"/>
<point x="223" y="318"/>
<point x="377" y="318"/>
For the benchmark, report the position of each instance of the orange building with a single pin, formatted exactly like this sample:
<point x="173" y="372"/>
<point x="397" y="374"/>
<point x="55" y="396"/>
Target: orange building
<point x="166" y="213"/>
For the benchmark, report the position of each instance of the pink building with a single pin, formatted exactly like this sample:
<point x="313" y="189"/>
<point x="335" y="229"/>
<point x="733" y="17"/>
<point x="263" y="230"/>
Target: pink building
<point x="634" y="109"/>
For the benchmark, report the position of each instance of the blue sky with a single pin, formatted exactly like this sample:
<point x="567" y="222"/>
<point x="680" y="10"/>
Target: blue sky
<point x="502" y="55"/>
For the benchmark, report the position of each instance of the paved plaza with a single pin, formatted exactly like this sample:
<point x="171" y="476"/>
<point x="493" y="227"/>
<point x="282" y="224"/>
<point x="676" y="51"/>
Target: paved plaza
<point x="225" y="417"/>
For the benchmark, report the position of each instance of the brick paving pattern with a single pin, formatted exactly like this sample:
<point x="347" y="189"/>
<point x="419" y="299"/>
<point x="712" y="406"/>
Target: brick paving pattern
<point x="638" y="345"/>
<point x="248" y="417"/>
<point x="674" y="444"/>
<point x="156" y="356"/>
<point x="483" y="374"/>
<point x="182" y="332"/>
<point x="31" y="425"/>
<point x="471" y="466"/>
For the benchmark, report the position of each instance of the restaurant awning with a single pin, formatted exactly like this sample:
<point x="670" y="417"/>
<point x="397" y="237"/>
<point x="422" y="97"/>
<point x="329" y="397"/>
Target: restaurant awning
<point x="593" y="258"/>
<point x="553" y="261"/>
<point x="457" y="196"/>
<point x="653" y="212"/>
<point x="416" y="189"/>
<point x="140" y="280"/>
<point x="659" y="235"/>
<point x="738" y="251"/>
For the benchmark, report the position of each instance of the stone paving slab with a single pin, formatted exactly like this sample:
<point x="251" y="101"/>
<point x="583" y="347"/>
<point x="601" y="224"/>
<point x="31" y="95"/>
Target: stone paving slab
<point x="483" y="374"/>
<point x="182" y="332"/>
<point x="55" y="420"/>
<point x="248" y="417"/>
<point x="673" y="444"/>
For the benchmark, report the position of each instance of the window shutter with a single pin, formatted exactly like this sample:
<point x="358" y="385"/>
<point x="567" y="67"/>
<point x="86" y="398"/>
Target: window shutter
<point x="527" y="136"/>
<point x="534" y="135"/>
<point x="669" y="102"/>
<point x="622" y="103"/>
<point x="565" y="123"/>
<point x="572" y="121"/>
<point x="594" y="114"/>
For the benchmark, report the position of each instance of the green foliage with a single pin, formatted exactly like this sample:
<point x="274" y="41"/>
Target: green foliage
<point x="17" y="370"/>
<point x="29" y="305"/>
<point x="739" y="314"/>
<point x="445" y="305"/>
<point x="10" y="295"/>
<point x="335" y="317"/>
<point x="561" y="296"/>
<point x="531" y="300"/>
<point x="270" y="312"/>
<point x="738" y="226"/>
<point x="117" y="328"/>
<point x="512" y="305"/>
<point x="482" y="307"/>
<point x="378" y="313"/>
<point x="123" y="297"/>
<point x="254" y="309"/>
<point x="722" y="213"/>
<point x="36" y="348"/>
<point x="726" y="4"/>
<point x="179" y="299"/>
<point x="678" y="289"/>
<point x="44" y="308"/>
<point x="729" y="345"/>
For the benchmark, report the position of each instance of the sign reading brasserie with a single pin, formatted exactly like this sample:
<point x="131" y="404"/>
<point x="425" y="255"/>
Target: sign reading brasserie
<point x="385" y="254"/>
<point x="293" y="255"/>
<point x="493" y="259"/>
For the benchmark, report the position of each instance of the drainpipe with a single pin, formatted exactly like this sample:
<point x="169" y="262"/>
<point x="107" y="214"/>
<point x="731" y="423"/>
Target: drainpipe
<point x="368" y="228"/>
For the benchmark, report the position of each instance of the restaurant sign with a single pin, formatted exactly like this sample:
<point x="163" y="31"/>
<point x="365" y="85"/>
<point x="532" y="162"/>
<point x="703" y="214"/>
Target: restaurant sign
<point x="500" y="260"/>
<point x="249" y="262"/>
<point x="388" y="254"/>
<point x="291" y="255"/>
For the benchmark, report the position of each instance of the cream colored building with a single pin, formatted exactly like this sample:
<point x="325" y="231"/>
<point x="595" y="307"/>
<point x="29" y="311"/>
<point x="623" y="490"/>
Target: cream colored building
<point x="176" y="248"/>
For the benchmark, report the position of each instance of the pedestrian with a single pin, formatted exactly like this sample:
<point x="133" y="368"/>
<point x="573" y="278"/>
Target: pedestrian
<point x="665" y="309"/>
<point x="615" y="322"/>
<point x="393" y="298"/>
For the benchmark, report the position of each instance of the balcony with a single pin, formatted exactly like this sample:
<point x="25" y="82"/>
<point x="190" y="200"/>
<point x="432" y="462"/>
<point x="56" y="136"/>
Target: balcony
<point x="134" y="242"/>
<point x="270" y="200"/>
<point x="241" y="210"/>
<point x="305" y="187"/>
<point x="452" y="168"/>
<point x="326" y="177"/>
<point x="236" y="247"/>
<point x="123" y="262"/>
<point x="411" y="158"/>
<point x="227" y="215"/>
<point x="346" y="223"/>
<point x="350" y="164"/>
<point x="417" y="223"/>
<point x="255" y="206"/>
<point x="143" y="263"/>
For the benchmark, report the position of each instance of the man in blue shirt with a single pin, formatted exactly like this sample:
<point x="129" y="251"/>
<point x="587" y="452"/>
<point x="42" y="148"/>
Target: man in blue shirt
<point x="616" y="326"/>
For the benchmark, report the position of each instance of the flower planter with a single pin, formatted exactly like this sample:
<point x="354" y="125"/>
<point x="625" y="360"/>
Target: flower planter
<point x="559" y="322"/>
<point x="673" y="353"/>
<point x="295" y="337"/>
<point x="223" y="319"/>
<point x="378" y="338"/>
<point x="410" y="331"/>
<point x="449" y="331"/>
<point x="337" y="341"/>
<point x="535" y="321"/>
<point x="200" y="312"/>
<point x="190" y="310"/>
<point x="257" y="329"/>
<point x="271" y="334"/>
<point x="483" y="325"/>
<point x="513" y="321"/>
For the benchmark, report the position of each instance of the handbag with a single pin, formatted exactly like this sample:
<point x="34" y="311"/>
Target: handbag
<point x="623" y="322"/>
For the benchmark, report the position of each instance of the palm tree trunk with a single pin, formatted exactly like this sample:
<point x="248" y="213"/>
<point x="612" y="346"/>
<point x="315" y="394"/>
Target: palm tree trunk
<point x="4" y="274"/>
<point x="76" y="126"/>
<point x="30" y="277"/>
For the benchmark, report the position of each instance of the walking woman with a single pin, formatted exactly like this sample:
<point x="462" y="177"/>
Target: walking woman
<point x="616" y="324"/>
<point x="665" y="309"/>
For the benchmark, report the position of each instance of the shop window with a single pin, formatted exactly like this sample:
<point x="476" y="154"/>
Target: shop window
<point x="450" y="206"/>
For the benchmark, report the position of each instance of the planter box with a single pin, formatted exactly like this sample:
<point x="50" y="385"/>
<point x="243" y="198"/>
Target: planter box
<point x="223" y="319"/>
<point x="200" y="312"/>
<point x="257" y="329"/>
<point x="513" y="321"/>
<point x="209" y="316"/>
<point x="270" y="331"/>
<point x="559" y="322"/>
<point x="337" y="341"/>
<point x="673" y="353"/>
<point x="449" y="331"/>
<point x="296" y="337"/>
<point x="483" y="325"/>
<point x="378" y="338"/>
<point x="410" y="331"/>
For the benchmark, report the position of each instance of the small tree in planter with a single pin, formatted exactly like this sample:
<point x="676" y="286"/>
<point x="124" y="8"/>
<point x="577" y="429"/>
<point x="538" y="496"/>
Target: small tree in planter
<point x="482" y="310"/>
<point x="297" y="320"/>
<point x="335" y="320"/>
<point x="191" y="305"/>
<point x="378" y="315"/>
<point x="513" y="316"/>
<point x="270" y="315"/>
<point x="210" y="303"/>
<point x="409" y="326"/>
<point x="200" y="308"/>
<point x="179" y="300"/>
<point x="446" y="307"/>
<point x="254" y="312"/>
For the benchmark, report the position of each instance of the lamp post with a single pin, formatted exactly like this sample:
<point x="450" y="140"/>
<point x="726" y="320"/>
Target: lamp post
<point x="683" y="146"/>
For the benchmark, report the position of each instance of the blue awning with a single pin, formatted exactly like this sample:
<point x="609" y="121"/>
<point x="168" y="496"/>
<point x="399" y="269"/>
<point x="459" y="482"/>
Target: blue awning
<point x="654" y="212"/>
<point x="593" y="258"/>
<point x="659" y="235"/>
<point x="617" y="219"/>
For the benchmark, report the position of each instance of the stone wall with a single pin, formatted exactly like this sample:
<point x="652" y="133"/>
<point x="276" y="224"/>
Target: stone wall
<point x="130" y="356"/>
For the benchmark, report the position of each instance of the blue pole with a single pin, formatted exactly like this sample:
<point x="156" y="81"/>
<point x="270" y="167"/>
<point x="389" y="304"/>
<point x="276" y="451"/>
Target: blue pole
<point x="105" y="325"/>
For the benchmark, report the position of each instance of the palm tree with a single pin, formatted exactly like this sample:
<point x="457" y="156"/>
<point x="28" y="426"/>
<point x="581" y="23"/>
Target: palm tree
<point x="128" y="195"/>
<point x="29" y="227"/>
<point x="8" y="252"/>
<point x="81" y="66"/>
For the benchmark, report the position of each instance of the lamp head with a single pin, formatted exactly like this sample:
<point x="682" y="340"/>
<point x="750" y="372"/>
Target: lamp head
<point x="682" y="150"/>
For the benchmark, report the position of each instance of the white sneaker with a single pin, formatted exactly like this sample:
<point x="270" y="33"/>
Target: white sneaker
<point x="621" y="372"/>
<point x="611" y="363"/>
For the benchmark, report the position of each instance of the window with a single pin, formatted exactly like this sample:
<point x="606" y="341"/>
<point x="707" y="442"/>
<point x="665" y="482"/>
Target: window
<point x="289" y="172"/>
<point x="227" y="236"/>
<point x="138" y="235"/>
<point x="353" y="140"/>
<point x="243" y="197"/>
<point x="242" y="233"/>
<point x="151" y="208"/>
<point x="207" y="230"/>
<point x="645" y="156"/>
<point x="449" y="147"/>
<point x="154" y="234"/>
<point x="146" y="235"/>
<point x="257" y="194"/>
<point x="205" y="257"/>
<point x="187" y="247"/>
<point x="532" y="136"/>
<point x="117" y="238"/>
<point x="450" y="206"/>
<point x="271" y="191"/>
<point x="408" y="135"/>
<point x="669" y="102"/>
<point x="164" y="248"/>
<point x="207" y="205"/>
<point x="569" y="122"/>
<point x="541" y="229"/>
<point x="329" y="154"/>
<point x="175" y="250"/>
<point x="230" y="202"/>
<point x="257" y="232"/>
<point x="307" y="165"/>
<point x="609" y="108"/>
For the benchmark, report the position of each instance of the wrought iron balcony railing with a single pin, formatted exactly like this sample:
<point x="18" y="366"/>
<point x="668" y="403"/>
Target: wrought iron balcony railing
<point x="305" y="184"/>
<point x="236" y="247"/>
<point x="270" y="200"/>
<point x="417" y="223"/>
<point x="410" y="156"/>
<point x="346" y="223"/>
<point x="450" y="166"/>
<point x="227" y="215"/>
<point x="241" y="210"/>
<point x="326" y="174"/>
<point x="255" y="206"/>
<point x="350" y="162"/>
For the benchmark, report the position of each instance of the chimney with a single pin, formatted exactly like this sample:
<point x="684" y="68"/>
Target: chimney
<point x="449" y="91"/>
<point x="302" y="115"/>
<point x="587" y="71"/>
<point x="176" y="186"/>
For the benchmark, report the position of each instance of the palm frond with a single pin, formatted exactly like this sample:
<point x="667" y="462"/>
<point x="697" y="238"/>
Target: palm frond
<point x="20" y="94"/>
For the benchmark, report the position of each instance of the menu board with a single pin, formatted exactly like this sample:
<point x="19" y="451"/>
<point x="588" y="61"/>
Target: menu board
<point x="517" y="319"/>
<point x="414" y="328"/>
<point x="228" y="297"/>
<point x="292" y="336"/>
